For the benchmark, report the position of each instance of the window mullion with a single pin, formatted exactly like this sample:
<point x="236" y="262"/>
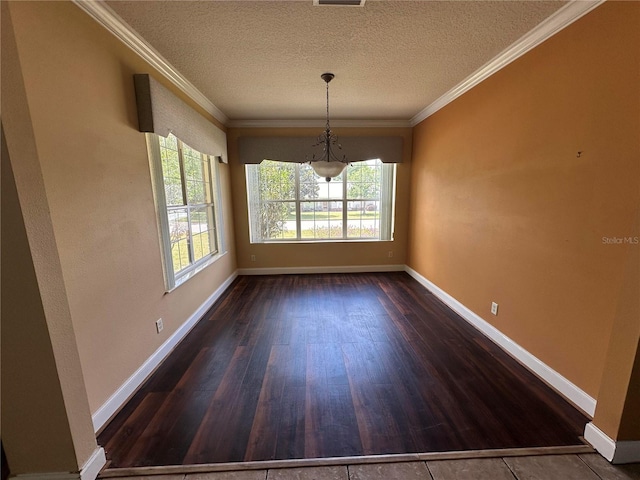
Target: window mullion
<point x="192" y="255"/>
<point x="155" y="160"/>
<point x="297" y="203"/>
<point x="345" y="213"/>
<point x="183" y="180"/>
<point x="210" y="207"/>
<point x="386" y="210"/>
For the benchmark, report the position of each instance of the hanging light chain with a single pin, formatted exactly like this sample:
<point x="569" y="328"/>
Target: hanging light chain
<point x="327" y="140"/>
<point x="328" y="128"/>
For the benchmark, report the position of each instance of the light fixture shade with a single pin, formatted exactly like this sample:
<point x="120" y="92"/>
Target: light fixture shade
<point x="328" y="169"/>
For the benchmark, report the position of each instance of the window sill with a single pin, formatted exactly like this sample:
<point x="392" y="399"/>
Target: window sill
<point x="182" y="279"/>
<point x="313" y="240"/>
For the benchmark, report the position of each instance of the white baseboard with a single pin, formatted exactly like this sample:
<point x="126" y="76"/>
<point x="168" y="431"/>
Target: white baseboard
<point x="572" y="392"/>
<point x="89" y="471"/>
<point x="333" y="269"/>
<point x="615" y="451"/>
<point x="92" y="467"/>
<point x="600" y="441"/>
<point x="128" y="388"/>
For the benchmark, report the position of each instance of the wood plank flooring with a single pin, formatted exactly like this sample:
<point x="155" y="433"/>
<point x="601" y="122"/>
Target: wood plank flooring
<point x="305" y="366"/>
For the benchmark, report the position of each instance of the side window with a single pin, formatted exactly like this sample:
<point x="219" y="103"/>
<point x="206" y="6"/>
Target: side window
<point x="184" y="188"/>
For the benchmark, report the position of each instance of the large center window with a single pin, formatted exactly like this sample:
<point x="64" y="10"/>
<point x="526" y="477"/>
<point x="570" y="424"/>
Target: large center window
<point x="289" y="202"/>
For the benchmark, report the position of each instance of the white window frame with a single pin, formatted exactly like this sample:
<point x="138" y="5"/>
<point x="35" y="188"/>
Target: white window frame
<point x="386" y="203"/>
<point x="174" y="279"/>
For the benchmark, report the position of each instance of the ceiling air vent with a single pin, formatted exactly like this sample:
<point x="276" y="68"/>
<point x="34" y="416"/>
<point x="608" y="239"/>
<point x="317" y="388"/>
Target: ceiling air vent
<point x="339" y="3"/>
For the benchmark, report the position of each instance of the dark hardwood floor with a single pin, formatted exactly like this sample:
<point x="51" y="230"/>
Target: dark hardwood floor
<point x="302" y="366"/>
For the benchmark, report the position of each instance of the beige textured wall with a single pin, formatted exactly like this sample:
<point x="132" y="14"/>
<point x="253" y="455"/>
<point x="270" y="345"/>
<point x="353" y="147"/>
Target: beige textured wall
<point x="32" y="402"/>
<point x="79" y="86"/>
<point x="309" y="254"/>
<point x="44" y="392"/>
<point x="502" y="208"/>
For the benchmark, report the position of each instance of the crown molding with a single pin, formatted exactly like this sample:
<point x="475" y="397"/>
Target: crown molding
<point x="318" y="123"/>
<point x="564" y="17"/>
<point x="105" y="16"/>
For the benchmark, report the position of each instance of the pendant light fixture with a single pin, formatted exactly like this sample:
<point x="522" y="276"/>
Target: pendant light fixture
<point x="328" y="164"/>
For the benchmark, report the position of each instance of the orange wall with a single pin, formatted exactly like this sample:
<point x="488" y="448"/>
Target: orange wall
<point x="323" y="254"/>
<point x="504" y="210"/>
<point x="619" y="396"/>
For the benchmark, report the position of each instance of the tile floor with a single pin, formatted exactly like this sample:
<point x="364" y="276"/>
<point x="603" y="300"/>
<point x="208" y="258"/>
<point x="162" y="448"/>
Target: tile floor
<point x="544" y="467"/>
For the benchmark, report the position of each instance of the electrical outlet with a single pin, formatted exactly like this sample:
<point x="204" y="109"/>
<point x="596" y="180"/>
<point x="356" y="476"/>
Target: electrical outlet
<point x="390" y="253"/>
<point x="253" y="258"/>
<point x="159" y="325"/>
<point x="494" y="308"/>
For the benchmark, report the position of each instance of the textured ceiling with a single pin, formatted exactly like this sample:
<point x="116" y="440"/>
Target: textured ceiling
<point x="263" y="59"/>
